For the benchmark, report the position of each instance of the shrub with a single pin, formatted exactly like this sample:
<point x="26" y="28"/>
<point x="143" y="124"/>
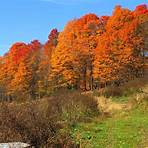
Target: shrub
<point x="110" y="91"/>
<point x="62" y="140"/>
<point x="25" y="123"/>
<point x="74" y="106"/>
<point x="39" y="122"/>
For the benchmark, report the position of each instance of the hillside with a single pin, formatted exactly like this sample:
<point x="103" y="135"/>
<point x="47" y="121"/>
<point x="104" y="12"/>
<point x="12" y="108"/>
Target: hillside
<point x="85" y="87"/>
<point x="123" y="125"/>
<point x="72" y="119"/>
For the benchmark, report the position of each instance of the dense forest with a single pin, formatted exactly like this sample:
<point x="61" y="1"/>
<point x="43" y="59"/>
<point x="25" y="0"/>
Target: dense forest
<point x="91" y="52"/>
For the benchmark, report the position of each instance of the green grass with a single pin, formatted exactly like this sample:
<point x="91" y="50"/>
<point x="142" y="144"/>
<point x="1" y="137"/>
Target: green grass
<point x="122" y="99"/>
<point x="123" y="130"/>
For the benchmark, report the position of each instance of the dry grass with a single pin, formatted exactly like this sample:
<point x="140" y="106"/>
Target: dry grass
<point x="106" y="105"/>
<point x="40" y="122"/>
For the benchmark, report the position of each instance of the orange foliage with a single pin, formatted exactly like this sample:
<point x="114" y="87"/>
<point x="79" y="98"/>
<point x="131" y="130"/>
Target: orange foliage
<point x="89" y="52"/>
<point x="118" y="54"/>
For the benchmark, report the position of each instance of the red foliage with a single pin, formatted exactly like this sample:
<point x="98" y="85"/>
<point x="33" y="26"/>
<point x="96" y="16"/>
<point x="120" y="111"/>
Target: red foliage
<point x="104" y="19"/>
<point x="35" y="45"/>
<point x="141" y="9"/>
<point x="53" y="34"/>
<point x="18" y="51"/>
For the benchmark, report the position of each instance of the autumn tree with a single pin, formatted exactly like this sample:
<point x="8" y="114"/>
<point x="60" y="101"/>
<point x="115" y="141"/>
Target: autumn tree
<point x="73" y="57"/>
<point x="44" y="69"/>
<point x="23" y="64"/>
<point x="118" y="54"/>
<point x="10" y="65"/>
<point x="141" y="12"/>
<point x="33" y="62"/>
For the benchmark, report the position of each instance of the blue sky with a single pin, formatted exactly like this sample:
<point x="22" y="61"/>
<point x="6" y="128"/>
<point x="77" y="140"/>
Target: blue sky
<point x="25" y="20"/>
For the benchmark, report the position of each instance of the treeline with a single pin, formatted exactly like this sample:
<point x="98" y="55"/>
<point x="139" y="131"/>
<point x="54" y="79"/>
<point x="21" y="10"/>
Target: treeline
<point x="91" y="52"/>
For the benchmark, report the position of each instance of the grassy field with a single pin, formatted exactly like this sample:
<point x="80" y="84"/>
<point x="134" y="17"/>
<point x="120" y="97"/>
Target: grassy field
<point x="125" y="129"/>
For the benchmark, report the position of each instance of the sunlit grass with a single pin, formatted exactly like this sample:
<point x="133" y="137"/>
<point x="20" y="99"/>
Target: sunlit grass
<point x="124" y="130"/>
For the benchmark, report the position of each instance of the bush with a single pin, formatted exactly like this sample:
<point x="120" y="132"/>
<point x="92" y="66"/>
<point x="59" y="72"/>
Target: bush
<point x="114" y="91"/>
<point x="140" y="100"/>
<point x="62" y="140"/>
<point x="130" y="91"/>
<point x="75" y="107"/>
<point x="25" y="123"/>
<point x="110" y="91"/>
<point x="39" y="122"/>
